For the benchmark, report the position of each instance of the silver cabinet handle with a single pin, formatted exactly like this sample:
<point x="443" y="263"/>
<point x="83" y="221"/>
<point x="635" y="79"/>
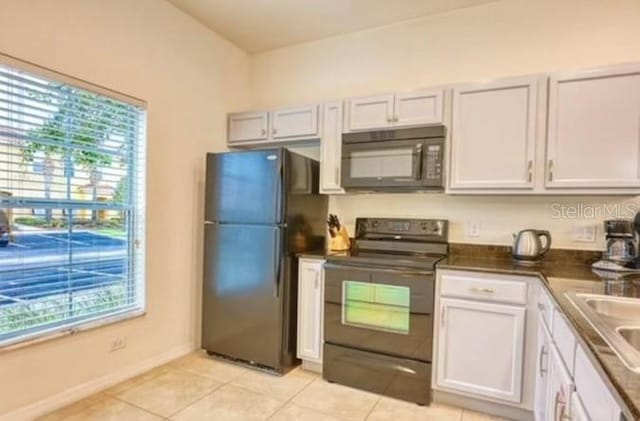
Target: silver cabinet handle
<point x="274" y="131"/>
<point x="389" y="119"/>
<point x="530" y="170"/>
<point x="550" y="164"/>
<point x="264" y="132"/>
<point x="396" y="118"/>
<point x="485" y="290"/>
<point x="543" y="352"/>
<point x="337" y="175"/>
<point x="316" y="282"/>
<point x="540" y="306"/>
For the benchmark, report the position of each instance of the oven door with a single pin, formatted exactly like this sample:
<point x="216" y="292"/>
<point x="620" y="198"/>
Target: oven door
<point x="379" y="310"/>
<point x="382" y="164"/>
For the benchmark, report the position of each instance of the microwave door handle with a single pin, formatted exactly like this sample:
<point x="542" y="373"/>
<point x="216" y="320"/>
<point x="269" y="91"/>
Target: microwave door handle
<point x="418" y="157"/>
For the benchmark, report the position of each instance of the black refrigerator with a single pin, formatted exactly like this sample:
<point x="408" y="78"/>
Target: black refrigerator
<point x="262" y="208"/>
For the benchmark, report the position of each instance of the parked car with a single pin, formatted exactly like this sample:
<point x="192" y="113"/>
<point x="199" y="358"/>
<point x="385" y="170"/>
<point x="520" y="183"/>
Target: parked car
<point x="5" y="229"/>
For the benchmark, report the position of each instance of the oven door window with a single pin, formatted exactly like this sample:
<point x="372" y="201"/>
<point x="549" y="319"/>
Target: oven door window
<point x="376" y="306"/>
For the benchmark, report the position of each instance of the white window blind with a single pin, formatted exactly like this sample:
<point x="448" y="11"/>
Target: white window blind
<point x="72" y="188"/>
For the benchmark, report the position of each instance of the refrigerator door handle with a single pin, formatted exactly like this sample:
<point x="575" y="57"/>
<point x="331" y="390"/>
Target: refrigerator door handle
<point x="277" y="264"/>
<point x="279" y="188"/>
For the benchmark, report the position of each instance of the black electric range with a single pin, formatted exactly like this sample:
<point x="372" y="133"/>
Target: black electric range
<point x="379" y="302"/>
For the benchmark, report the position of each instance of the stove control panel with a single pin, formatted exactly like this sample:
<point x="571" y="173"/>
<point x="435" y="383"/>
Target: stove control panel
<point x="400" y="228"/>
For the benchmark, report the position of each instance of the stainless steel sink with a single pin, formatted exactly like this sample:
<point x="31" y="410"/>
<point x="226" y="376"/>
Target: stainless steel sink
<point x="617" y="320"/>
<point x="631" y="335"/>
<point x="614" y="307"/>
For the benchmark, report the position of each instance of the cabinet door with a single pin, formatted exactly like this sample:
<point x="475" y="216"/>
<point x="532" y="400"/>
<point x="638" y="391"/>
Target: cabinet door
<point x="593" y="135"/>
<point x="245" y="127"/>
<point x="480" y="348"/>
<point x="578" y="412"/>
<point x="598" y="402"/>
<point x="419" y="107"/>
<point x="542" y="372"/>
<point x="299" y="122"/>
<point x="560" y="388"/>
<point x="310" y="310"/>
<point x="373" y="112"/>
<point x="331" y="148"/>
<point x="493" y="135"/>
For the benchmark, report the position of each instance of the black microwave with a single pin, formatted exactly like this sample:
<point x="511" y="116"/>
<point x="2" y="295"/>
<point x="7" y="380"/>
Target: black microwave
<point x="402" y="160"/>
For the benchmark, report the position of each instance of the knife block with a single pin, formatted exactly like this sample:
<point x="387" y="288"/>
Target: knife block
<point x="341" y="241"/>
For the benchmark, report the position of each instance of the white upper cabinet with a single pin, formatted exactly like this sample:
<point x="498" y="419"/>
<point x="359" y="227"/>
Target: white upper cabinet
<point x="331" y="148"/>
<point x="372" y="112"/>
<point x="493" y="135"/>
<point x="593" y="138"/>
<point x="299" y="122"/>
<point x="246" y="127"/>
<point x="419" y="107"/>
<point x="403" y="109"/>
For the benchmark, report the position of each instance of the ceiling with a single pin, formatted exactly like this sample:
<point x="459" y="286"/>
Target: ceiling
<point x="262" y="25"/>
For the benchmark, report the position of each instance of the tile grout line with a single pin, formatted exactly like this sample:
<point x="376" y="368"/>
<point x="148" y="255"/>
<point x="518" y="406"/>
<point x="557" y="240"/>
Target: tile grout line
<point x="373" y="408"/>
<point x="292" y="397"/>
<point x="212" y="391"/>
<point x="136" y="406"/>
<point x="333" y="415"/>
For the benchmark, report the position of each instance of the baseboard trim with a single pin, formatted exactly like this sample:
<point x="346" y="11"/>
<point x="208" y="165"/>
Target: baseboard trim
<point x="479" y="405"/>
<point x="86" y="389"/>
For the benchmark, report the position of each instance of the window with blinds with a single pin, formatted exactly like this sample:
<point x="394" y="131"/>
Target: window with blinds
<point x="72" y="188"/>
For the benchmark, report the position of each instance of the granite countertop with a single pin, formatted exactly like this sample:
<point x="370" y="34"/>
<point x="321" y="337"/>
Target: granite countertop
<point x="563" y="273"/>
<point x="320" y="254"/>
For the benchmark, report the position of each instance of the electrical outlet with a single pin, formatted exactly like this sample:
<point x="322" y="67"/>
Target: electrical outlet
<point x="118" y="343"/>
<point x="473" y="229"/>
<point x="584" y="233"/>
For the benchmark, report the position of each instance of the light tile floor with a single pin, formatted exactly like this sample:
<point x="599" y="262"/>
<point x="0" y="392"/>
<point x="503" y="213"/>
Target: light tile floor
<point x="199" y="388"/>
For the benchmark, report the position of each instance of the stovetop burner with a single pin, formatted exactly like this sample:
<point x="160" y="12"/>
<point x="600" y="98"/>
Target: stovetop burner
<point x="398" y="242"/>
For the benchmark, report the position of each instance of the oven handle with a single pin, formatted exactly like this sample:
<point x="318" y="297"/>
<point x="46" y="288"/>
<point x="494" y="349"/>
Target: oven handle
<point x="400" y="271"/>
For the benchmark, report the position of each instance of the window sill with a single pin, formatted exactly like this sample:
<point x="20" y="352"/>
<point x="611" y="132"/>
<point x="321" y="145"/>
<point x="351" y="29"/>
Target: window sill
<point x="54" y="333"/>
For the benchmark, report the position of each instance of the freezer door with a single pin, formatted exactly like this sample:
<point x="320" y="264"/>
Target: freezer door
<point x="242" y="292"/>
<point x="245" y="187"/>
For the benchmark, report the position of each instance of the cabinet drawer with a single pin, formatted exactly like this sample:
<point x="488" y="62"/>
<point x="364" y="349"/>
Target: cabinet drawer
<point x="485" y="287"/>
<point x="564" y="339"/>
<point x="545" y="307"/>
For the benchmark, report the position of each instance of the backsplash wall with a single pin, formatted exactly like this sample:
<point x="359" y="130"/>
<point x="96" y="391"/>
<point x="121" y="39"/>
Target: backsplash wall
<point x="496" y="217"/>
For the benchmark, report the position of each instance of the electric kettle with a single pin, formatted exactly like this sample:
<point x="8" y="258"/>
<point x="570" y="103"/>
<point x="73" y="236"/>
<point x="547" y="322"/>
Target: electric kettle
<point x="527" y="245"/>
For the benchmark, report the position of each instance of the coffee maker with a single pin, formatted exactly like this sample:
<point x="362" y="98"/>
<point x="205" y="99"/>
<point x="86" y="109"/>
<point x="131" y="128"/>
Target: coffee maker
<point x="621" y="253"/>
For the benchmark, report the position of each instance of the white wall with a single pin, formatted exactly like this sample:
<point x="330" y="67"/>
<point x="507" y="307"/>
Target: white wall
<point x="190" y="77"/>
<point x="506" y="38"/>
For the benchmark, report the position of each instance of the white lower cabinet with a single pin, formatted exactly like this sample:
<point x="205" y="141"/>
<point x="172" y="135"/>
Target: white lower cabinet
<point x="568" y="386"/>
<point x="310" y="311"/>
<point x="485" y="349"/>
<point x="598" y="403"/>
<point x="481" y="348"/>
<point x="542" y="371"/>
<point x="578" y="411"/>
<point x="559" y="388"/>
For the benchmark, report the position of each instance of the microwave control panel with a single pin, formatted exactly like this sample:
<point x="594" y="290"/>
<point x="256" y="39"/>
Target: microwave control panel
<point x="434" y="162"/>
